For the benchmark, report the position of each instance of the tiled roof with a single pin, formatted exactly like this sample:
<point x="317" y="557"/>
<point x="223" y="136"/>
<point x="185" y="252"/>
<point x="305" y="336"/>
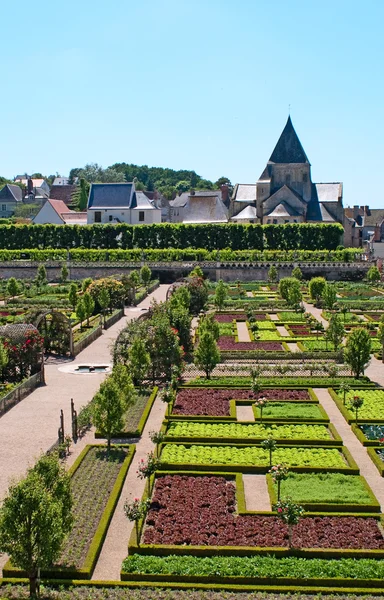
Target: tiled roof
<point x="288" y="148"/>
<point x="111" y="195"/>
<point x="266" y="174"/>
<point x="180" y="201"/>
<point x="62" y="192"/>
<point x="329" y="192"/>
<point x="59" y="206"/>
<point x="12" y="193"/>
<point x="36" y="182"/>
<point x="74" y="218"/>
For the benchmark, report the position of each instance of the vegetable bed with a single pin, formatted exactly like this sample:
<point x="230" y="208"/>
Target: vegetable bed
<point x="200" y="511"/>
<point x="373" y="406"/>
<point x="291" y="410"/>
<point x="226" y="342"/>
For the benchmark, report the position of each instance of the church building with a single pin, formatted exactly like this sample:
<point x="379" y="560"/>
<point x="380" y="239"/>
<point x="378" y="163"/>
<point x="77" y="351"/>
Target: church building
<point x="284" y="192"/>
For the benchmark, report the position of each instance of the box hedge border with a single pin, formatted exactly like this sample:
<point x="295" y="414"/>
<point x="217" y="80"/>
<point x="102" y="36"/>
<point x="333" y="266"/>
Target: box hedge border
<point x="346" y="413"/>
<point x="324" y="420"/>
<point x="379" y="464"/>
<point x="361" y="436"/>
<point x="85" y="572"/>
<point x="143" y="420"/>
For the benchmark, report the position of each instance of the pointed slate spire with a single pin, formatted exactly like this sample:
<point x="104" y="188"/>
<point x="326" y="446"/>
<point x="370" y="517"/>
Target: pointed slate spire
<point x="288" y="149"/>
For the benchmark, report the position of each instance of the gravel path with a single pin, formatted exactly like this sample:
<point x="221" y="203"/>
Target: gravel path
<point x="256" y="492"/>
<point x="242" y="331"/>
<point x="283" y="332"/>
<point x="244" y="413"/>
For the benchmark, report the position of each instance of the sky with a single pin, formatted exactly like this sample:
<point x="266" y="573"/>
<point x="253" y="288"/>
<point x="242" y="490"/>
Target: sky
<point x="194" y="84"/>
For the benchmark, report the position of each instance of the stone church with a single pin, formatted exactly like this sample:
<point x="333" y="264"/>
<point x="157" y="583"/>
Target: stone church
<point x="284" y="192"/>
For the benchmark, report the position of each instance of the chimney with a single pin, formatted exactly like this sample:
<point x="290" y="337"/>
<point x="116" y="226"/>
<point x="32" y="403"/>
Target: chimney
<point x="224" y="193"/>
<point x="191" y="192"/>
<point x="29" y="186"/>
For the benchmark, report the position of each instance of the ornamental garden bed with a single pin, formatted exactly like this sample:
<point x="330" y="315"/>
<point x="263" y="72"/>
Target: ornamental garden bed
<point x="189" y="431"/>
<point x="329" y="492"/>
<point x="376" y="316"/>
<point x="369" y="434"/>
<point x="96" y="481"/>
<point x="230" y="317"/>
<point x="372" y="410"/>
<point x="280" y="381"/>
<point x="291" y="411"/>
<point x="377" y="456"/>
<point x="291" y="317"/>
<point x="254" y="459"/>
<point x="201" y="511"/>
<point x="136" y="416"/>
<point x="226" y="342"/>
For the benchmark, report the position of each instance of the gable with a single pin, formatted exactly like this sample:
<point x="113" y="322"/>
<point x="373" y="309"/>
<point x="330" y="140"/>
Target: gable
<point x="11" y="193"/>
<point x="286" y="196"/>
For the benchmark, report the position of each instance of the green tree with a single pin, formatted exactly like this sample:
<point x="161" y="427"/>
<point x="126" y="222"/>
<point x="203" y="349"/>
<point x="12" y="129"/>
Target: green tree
<point x="181" y="320"/>
<point x="3" y="360"/>
<point x="12" y="287"/>
<point x="285" y="284"/>
<point x="207" y="354"/>
<point x="316" y="288"/>
<point x="89" y="305"/>
<point x="269" y="444"/>
<point x="198" y="290"/>
<point x="209" y="323"/>
<point x="108" y="410"/>
<point x="329" y="296"/>
<point x="86" y="283"/>
<point x="41" y="276"/>
<point x="373" y="275"/>
<point x="335" y="331"/>
<point x="135" y="280"/>
<point x="163" y="344"/>
<point x="181" y="297"/>
<point x="72" y="295"/>
<point x="358" y="351"/>
<point x="35" y="517"/>
<point x="297" y="273"/>
<point x="356" y="403"/>
<point x="145" y="276"/>
<point x="295" y="297"/>
<point x="380" y="336"/>
<point x="80" y="312"/>
<point x="290" y="513"/>
<point x="103" y="299"/>
<point x="197" y="272"/>
<point x="80" y="195"/>
<point x="273" y="274"/>
<point x="123" y="380"/>
<point x="64" y="273"/>
<point x="221" y="294"/>
<point x="139" y="360"/>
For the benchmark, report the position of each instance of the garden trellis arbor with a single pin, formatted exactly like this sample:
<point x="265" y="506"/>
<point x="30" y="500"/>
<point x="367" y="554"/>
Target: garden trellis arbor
<point x="17" y="334"/>
<point x="56" y="329"/>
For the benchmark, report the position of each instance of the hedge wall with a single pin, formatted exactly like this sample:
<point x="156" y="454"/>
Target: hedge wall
<point x="173" y="235"/>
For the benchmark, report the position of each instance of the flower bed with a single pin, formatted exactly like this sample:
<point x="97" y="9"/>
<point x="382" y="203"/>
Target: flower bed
<point x="373" y="406"/>
<point x="190" y="429"/>
<point x="291" y="317"/>
<point x="229" y="318"/>
<point x="300" y="330"/>
<point x="374" y="316"/>
<point x="318" y="345"/>
<point x="254" y="456"/>
<point x="227" y="342"/>
<point x="325" y="488"/>
<point x="201" y="511"/>
<point x="291" y="410"/>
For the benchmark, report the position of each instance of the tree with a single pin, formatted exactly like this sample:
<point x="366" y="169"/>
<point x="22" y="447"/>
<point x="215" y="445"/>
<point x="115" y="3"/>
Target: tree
<point x="80" y="195"/>
<point x="295" y="297"/>
<point x="207" y="354"/>
<point x="135" y="511"/>
<point x="290" y="513"/>
<point x="86" y="283"/>
<point x="41" y="275"/>
<point x="286" y="284"/>
<point x="64" y="273"/>
<point x="279" y="473"/>
<point x="35" y="517"/>
<point x="223" y="181"/>
<point x="335" y="332"/>
<point x="122" y="378"/>
<point x="135" y="280"/>
<point x="103" y="299"/>
<point x="260" y="403"/>
<point x="380" y="336"/>
<point x="80" y="312"/>
<point x="181" y="297"/>
<point x="12" y="287"/>
<point x="273" y="274"/>
<point x="89" y="305"/>
<point x="108" y="410"/>
<point x="209" y="323"/>
<point x="145" y="275"/>
<point x="198" y="289"/>
<point x="316" y="288"/>
<point x="358" y="351"/>
<point x="197" y="272"/>
<point x="181" y="320"/>
<point x="345" y="388"/>
<point x="297" y="273"/>
<point x="163" y="344"/>
<point x="221" y="294"/>
<point x="139" y="360"/>
<point x="72" y="295"/>
<point x="373" y="275"/>
<point x="356" y="403"/>
<point x="329" y="296"/>
<point x="270" y="445"/>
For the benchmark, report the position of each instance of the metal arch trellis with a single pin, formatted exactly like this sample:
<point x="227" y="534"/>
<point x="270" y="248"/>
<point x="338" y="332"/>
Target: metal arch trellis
<point x="61" y="317"/>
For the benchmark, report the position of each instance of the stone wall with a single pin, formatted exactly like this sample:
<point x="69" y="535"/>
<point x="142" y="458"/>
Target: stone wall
<point x="171" y="271"/>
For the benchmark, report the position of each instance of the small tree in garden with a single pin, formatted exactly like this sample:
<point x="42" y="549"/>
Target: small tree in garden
<point x="319" y="328"/>
<point x="345" y="388"/>
<point x="197" y="272"/>
<point x="221" y="294"/>
<point x="145" y="276"/>
<point x="12" y="287"/>
<point x="329" y="296"/>
<point x="198" y="290"/>
<point x="123" y="380"/>
<point x="270" y="445"/>
<point x="208" y="323"/>
<point x="260" y="403"/>
<point x="344" y="311"/>
<point x="41" y="276"/>
<point x="279" y="473"/>
<point x="316" y="288"/>
<point x="272" y="274"/>
<point x="89" y="305"/>
<point x="295" y="297"/>
<point x="108" y="410"/>
<point x="3" y="360"/>
<point x="136" y="511"/>
<point x="373" y="275"/>
<point x="335" y="332"/>
<point x="148" y="467"/>
<point x="80" y="312"/>
<point x="64" y="273"/>
<point x="135" y="280"/>
<point x="356" y="403"/>
<point x="290" y="513"/>
<point x="380" y="337"/>
<point x="285" y="285"/>
<point x="358" y="351"/>
<point x="207" y="354"/>
<point x="139" y="360"/>
<point x="156" y="437"/>
<point x="168" y="395"/>
<point x="72" y="295"/>
<point x="297" y="273"/>
<point x="86" y="283"/>
<point x="103" y="299"/>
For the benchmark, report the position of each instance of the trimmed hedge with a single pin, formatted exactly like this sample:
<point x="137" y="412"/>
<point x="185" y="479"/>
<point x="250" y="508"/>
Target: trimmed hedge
<point x="379" y="464"/>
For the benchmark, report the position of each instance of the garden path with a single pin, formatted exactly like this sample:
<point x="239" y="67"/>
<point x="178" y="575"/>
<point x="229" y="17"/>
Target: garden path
<point x="244" y="413"/>
<point x="282" y="331"/>
<point x="256" y="492"/>
<point x="293" y="347"/>
<point x="242" y="331"/>
<point x="30" y="427"/>
<point x="274" y="317"/>
<point x="114" y="549"/>
<point x="350" y="441"/>
<point x="316" y="312"/>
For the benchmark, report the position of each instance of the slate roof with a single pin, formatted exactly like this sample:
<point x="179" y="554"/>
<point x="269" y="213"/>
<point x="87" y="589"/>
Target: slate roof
<point x="283" y="210"/>
<point x="288" y="148"/>
<point x="179" y="201"/>
<point x="205" y="209"/>
<point x="245" y="192"/>
<point x="12" y="193"/>
<point x="62" y="192"/>
<point x="293" y="192"/>
<point x="266" y="174"/>
<point x="375" y="217"/>
<point x="249" y="212"/>
<point x="111" y="195"/>
<point x="329" y="192"/>
<point x="142" y="202"/>
<point x="325" y="215"/>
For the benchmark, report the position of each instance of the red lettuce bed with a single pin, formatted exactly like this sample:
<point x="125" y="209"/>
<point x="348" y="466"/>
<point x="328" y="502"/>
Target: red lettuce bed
<point x="227" y="342"/>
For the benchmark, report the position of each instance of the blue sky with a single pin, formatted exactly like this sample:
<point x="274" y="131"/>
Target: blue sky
<point x="194" y="84"/>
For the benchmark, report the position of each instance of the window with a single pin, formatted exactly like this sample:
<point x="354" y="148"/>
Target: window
<point x="3" y="207"/>
<point x="305" y="177"/>
<point x="141" y="215"/>
<point x="286" y="221"/>
<point x="98" y="216"/>
<point x="110" y="217"/>
<point x="275" y="221"/>
<point x="269" y="220"/>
